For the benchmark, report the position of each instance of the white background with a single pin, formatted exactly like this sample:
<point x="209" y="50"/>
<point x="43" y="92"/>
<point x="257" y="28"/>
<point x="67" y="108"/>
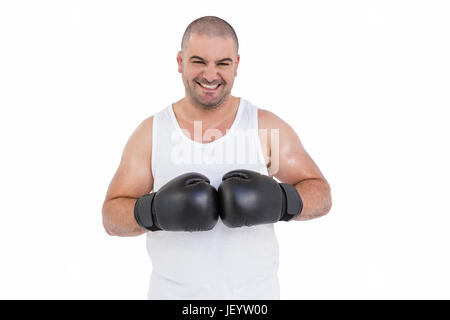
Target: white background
<point x="365" y="84"/>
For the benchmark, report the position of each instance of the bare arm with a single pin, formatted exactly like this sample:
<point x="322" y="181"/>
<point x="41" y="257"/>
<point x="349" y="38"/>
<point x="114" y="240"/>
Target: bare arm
<point x="289" y="162"/>
<point x="132" y="179"/>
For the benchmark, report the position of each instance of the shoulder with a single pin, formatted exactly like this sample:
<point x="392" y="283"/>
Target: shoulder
<point x="270" y="121"/>
<point x="140" y="141"/>
<point x="145" y="128"/>
<point x="266" y="118"/>
<point x="280" y="135"/>
<point x="147" y="124"/>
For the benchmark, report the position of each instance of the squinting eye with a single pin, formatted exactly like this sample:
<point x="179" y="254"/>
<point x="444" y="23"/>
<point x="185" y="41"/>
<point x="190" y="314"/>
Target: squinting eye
<point x="197" y="61"/>
<point x="223" y="64"/>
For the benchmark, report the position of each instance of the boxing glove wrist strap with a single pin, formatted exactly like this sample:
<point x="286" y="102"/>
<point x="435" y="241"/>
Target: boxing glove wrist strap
<point x="143" y="212"/>
<point x="294" y="203"/>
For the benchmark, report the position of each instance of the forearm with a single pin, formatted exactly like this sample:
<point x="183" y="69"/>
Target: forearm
<point x="316" y="197"/>
<point x="118" y="217"/>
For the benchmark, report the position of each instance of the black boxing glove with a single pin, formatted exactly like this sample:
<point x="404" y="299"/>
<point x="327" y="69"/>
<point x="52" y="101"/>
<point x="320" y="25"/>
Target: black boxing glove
<point x="186" y="203"/>
<point x="247" y="198"/>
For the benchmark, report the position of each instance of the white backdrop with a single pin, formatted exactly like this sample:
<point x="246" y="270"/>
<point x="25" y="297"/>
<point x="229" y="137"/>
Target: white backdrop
<point x="364" y="83"/>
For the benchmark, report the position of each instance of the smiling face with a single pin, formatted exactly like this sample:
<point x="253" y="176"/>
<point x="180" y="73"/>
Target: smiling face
<point x="208" y="66"/>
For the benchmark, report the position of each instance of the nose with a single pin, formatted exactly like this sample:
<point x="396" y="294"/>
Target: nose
<point x="210" y="73"/>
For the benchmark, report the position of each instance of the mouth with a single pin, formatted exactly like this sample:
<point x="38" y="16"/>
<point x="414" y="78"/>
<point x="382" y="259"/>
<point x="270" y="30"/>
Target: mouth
<point x="208" y="87"/>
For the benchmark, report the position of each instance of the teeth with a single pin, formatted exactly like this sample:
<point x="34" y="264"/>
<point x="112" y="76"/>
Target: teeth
<point x="209" y="87"/>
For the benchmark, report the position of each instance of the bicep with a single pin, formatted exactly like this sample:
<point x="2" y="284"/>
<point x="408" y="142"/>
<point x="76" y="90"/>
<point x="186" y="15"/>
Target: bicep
<point x="295" y="163"/>
<point x="289" y="161"/>
<point x="133" y="177"/>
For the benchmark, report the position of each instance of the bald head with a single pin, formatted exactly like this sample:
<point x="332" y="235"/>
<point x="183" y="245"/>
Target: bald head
<point x="210" y="26"/>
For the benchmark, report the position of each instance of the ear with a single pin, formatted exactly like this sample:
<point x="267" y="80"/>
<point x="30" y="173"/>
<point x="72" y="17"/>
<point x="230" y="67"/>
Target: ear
<point x="238" y="57"/>
<point x="180" y="61"/>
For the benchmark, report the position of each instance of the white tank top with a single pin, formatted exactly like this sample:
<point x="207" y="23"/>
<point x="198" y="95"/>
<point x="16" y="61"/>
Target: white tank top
<point x="223" y="263"/>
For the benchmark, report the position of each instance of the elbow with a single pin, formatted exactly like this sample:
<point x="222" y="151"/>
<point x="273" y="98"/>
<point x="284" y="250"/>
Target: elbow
<point x="328" y="201"/>
<point x="106" y="224"/>
<point x="108" y="229"/>
<point x="327" y="208"/>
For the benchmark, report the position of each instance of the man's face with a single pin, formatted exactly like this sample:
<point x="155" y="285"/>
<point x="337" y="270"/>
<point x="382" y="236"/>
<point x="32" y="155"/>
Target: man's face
<point x="208" y="66"/>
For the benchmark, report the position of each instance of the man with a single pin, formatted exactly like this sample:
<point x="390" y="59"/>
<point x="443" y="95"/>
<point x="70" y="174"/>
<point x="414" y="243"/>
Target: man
<point x="198" y="179"/>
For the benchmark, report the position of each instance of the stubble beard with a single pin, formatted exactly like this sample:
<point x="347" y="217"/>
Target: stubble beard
<point x="206" y="106"/>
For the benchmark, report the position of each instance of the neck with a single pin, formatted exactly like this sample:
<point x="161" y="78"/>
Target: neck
<point x="190" y="111"/>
